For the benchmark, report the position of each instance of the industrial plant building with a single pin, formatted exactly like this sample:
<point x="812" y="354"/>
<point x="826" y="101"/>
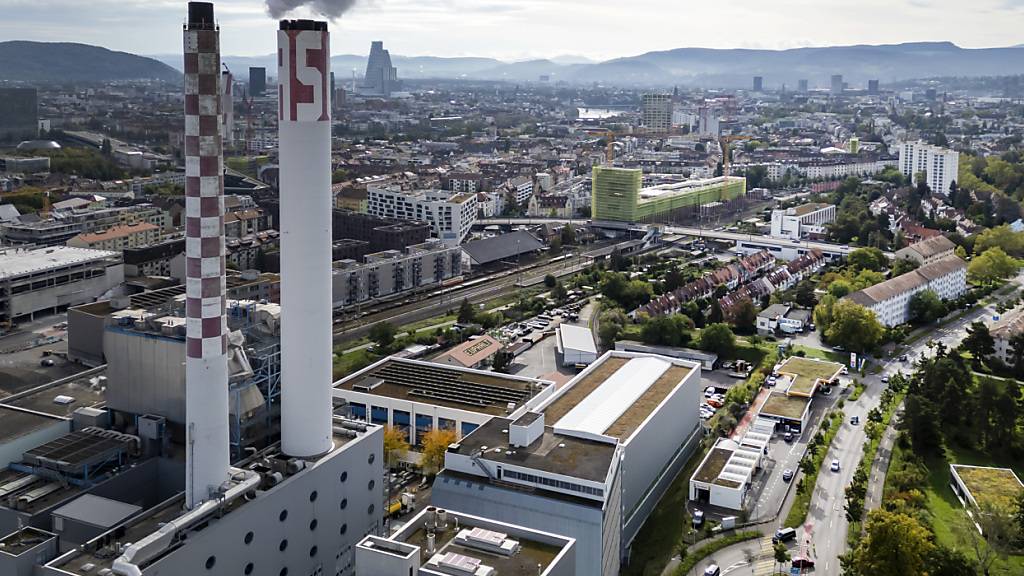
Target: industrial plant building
<point x="619" y="195"/>
<point x="49" y="280"/>
<point x="417" y="397"/>
<point x="440" y="542"/>
<point x="391" y="273"/>
<point x="590" y="462"/>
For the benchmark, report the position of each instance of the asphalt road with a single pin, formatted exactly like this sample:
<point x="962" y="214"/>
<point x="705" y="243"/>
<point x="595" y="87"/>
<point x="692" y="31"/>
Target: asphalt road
<point x="826" y="525"/>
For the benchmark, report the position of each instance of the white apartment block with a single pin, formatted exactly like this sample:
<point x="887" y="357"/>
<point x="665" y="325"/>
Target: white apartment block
<point x="522" y="189"/>
<point x="890" y="300"/>
<point x="392" y="272"/>
<point x="795" y="223"/>
<point x="939" y="164"/>
<point x="1003" y="331"/>
<point x="451" y="214"/>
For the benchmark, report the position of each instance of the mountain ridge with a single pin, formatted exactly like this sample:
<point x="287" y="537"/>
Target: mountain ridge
<point x="27" y="61"/>
<point x="689" y="66"/>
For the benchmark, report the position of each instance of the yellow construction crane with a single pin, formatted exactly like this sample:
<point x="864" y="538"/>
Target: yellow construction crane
<point x="724" y="142"/>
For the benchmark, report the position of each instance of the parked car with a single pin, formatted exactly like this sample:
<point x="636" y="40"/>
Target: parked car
<point x="845" y="371"/>
<point x="885" y="379"/>
<point x="709" y="391"/>
<point x="788" y="436"/>
<point x="835" y="465"/>
<point x="784" y="535"/>
<point x="802" y="562"/>
<point x="714" y="402"/>
<point x="698" y="518"/>
<point x="787" y="475"/>
<point x="712" y="570"/>
<point x="854" y="420"/>
<point x="903" y="357"/>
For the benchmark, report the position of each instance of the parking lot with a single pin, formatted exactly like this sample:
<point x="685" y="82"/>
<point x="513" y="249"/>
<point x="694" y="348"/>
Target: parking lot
<point x="21" y="354"/>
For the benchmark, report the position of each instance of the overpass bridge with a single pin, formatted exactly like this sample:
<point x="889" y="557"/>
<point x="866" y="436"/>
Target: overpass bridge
<point x="782" y="248"/>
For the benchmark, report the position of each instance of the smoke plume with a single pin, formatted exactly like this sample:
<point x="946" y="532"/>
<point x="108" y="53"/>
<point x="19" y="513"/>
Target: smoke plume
<point x="330" y="9"/>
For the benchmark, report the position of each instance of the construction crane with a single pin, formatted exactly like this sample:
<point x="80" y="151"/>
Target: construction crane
<point x="609" y="149"/>
<point x="724" y="142"/>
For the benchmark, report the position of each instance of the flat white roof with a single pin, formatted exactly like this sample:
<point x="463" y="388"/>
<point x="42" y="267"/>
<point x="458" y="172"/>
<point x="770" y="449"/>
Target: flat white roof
<point x="16" y="262"/>
<point x="577" y="338"/>
<point x="602" y="407"/>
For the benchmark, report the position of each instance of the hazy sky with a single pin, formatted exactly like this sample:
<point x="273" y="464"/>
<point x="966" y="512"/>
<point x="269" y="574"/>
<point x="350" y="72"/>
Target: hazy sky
<point x="522" y="29"/>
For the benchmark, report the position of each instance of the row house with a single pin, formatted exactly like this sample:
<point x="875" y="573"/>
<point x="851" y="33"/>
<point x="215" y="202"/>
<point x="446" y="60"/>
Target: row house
<point x="740" y="272"/>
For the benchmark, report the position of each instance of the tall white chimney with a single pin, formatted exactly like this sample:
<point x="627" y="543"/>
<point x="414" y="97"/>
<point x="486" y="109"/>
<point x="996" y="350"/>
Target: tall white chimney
<point x="206" y="359"/>
<point x="303" y="58"/>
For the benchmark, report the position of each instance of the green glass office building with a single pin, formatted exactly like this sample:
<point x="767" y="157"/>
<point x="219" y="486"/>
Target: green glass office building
<point x="619" y="195"/>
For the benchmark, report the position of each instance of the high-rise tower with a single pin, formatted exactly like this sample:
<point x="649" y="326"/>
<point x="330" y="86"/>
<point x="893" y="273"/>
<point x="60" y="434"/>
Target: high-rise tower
<point x="206" y="362"/>
<point x="304" y="124"/>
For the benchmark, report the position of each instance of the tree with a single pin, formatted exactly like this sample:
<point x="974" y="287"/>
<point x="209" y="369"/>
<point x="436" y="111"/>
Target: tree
<point x="383" y="334"/>
<point x="805" y="294"/>
<point x="823" y="312"/>
<point x="894" y="544"/>
<point x="997" y="533"/>
<point x="1018" y="518"/>
<point x="549" y="281"/>
<point x="781" y="553"/>
<point x="950" y="562"/>
<point x="744" y="316"/>
<point x="926" y="307"/>
<point x="718" y="338"/>
<point x="558" y="292"/>
<point x="396" y="445"/>
<point x="106" y="149"/>
<point x="715" y="313"/>
<point x="978" y="342"/>
<point x="868" y="259"/>
<point x="502" y="361"/>
<point x="568" y="235"/>
<point x="921" y="423"/>
<point x="854" y="327"/>
<point x="467" y="314"/>
<point x="903" y="265"/>
<point x="435" y="444"/>
<point x="627" y="294"/>
<point x="671" y="330"/>
<point x="1002" y="237"/>
<point x="609" y="325"/>
<point x="991" y="266"/>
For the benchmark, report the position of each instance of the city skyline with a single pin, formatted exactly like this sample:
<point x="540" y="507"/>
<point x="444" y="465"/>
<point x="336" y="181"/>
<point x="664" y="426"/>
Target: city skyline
<point x="534" y="28"/>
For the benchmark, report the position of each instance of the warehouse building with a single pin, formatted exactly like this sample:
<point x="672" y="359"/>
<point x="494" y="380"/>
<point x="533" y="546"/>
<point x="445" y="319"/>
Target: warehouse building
<point x="440" y="542"/>
<point x="576" y="345"/>
<point x="416" y="396"/>
<point x="49" y="280"/>
<point x="590" y="463"/>
<point x="724" y="477"/>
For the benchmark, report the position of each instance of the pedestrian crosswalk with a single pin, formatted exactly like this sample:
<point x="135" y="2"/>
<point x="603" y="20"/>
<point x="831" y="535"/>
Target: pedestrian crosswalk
<point x="764" y="566"/>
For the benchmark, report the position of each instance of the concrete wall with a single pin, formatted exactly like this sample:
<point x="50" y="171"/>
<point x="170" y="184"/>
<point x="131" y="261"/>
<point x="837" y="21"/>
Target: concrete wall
<point x="653" y="446"/>
<point x="145" y="374"/>
<point x="85" y="337"/>
<point x="70" y="294"/>
<point x="532" y="510"/>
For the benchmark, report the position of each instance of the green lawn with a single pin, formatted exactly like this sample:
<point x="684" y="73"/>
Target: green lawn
<point x="802" y="501"/>
<point x="840" y="357"/>
<point x="944" y="507"/>
<point x="354" y="361"/>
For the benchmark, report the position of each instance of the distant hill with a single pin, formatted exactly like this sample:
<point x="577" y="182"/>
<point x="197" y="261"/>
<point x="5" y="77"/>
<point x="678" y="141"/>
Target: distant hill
<point x="728" y="68"/>
<point x="64" y="61"/>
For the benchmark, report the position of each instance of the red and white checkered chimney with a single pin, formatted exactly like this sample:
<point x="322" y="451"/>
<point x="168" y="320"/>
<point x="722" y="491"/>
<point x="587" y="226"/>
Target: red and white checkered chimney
<point x="206" y="361"/>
